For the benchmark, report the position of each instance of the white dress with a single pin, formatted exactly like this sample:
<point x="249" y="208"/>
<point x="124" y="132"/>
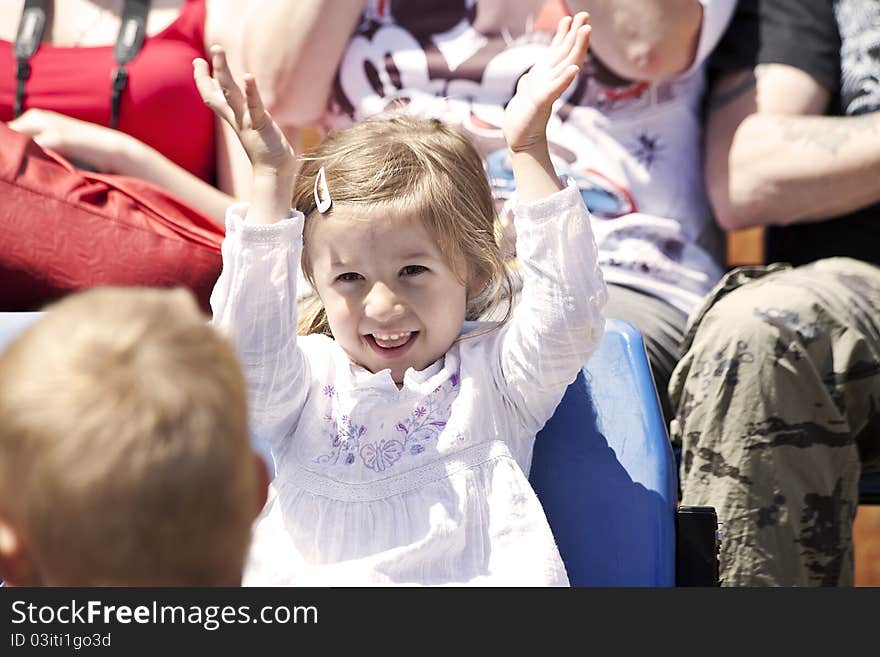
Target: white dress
<point x="426" y="484"/>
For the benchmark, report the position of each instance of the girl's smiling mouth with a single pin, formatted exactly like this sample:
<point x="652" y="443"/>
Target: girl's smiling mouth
<point x="391" y="344"/>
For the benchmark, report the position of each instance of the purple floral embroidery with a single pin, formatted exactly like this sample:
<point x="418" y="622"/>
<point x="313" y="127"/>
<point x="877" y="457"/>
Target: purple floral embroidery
<point x="423" y="425"/>
<point x="345" y="440"/>
<point x="381" y="455"/>
<point x="426" y="421"/>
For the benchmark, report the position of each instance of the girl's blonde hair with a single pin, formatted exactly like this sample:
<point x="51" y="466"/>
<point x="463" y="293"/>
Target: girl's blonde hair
<point x="415" y="166"/>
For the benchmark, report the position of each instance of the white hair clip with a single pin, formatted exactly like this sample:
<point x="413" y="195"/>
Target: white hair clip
<point x="321" y="181"/>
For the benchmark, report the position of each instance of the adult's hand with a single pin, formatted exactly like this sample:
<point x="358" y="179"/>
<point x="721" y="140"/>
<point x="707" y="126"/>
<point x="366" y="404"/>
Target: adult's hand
<point x="84" y="143"/>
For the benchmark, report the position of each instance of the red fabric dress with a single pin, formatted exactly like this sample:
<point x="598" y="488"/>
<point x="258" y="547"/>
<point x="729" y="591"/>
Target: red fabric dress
<point x="62" y="228"/>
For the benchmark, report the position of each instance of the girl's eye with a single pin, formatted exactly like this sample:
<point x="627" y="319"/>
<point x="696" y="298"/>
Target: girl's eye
<point x="413" y="270"/>
<point x="349" y="277"/>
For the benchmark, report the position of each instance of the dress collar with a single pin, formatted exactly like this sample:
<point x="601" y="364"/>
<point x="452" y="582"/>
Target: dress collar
<point x="415" y="382"/>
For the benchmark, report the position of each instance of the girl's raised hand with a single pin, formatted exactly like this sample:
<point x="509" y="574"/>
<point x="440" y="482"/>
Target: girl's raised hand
<point x="265" y="143"/>
<point x="527" y="113"/>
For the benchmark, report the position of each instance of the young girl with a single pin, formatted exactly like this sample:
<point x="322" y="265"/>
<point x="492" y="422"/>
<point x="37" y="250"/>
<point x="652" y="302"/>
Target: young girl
<point x="401" y="449"/>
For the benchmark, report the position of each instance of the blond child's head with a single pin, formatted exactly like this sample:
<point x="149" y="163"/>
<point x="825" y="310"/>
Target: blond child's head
<point x="124" y="450"/>
<point x="407" y="249"/>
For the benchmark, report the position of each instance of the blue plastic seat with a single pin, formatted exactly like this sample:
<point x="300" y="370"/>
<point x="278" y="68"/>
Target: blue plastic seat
<point x="605" y="473"/>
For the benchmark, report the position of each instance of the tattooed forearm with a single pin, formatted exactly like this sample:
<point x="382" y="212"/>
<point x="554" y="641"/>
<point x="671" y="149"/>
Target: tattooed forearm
<point x="827" y="133"/>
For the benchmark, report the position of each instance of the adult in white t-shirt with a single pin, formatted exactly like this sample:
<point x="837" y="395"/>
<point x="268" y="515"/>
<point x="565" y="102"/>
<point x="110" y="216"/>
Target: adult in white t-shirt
<point x="628" y="130"/>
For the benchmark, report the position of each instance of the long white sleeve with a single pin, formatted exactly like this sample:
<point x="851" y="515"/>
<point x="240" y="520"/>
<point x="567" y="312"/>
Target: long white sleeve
<point x="558" y="320"/>
<point x="254" y="302"/>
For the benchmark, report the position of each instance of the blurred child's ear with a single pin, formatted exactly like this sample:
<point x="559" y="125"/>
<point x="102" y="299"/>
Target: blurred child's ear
<point x="16" y="568"/>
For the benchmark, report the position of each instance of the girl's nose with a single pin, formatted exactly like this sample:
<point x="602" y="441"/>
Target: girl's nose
<point x="382" y="304"/>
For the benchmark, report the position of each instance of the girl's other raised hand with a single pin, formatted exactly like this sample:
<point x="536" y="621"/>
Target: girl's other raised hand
<point x="527" y="113"/>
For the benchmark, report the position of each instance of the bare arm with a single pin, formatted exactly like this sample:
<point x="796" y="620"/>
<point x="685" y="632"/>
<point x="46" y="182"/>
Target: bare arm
<point x="136" y="159"/>
<point x="293" y="48"/>
<point x="644" y="40"/>
<point x="223" y="25"/>
<point x="111" y="151"/>
<point x="772" y="159"/>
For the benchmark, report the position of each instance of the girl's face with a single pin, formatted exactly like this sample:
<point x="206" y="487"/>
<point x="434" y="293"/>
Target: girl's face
<point x="392" y="300"/>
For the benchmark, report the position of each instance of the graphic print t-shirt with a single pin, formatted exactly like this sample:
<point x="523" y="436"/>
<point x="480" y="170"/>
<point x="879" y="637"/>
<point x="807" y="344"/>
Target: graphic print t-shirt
<point x="634" y="148"/>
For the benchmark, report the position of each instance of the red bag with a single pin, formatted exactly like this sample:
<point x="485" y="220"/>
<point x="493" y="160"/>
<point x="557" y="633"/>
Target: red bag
<point x="64" y="229"/>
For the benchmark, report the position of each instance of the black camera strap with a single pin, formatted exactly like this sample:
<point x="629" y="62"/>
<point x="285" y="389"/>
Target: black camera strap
<point x="132" y="30"/>
<point x="27" y="40"/>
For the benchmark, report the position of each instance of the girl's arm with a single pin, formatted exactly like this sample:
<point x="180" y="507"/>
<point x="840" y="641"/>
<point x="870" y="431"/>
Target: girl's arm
<point x="557" y="322"/>
<point x="254" y="300"/>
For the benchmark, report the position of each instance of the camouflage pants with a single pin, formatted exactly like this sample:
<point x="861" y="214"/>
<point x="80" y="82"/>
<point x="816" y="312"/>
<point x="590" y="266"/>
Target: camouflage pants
<point x="777" y="403"/>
